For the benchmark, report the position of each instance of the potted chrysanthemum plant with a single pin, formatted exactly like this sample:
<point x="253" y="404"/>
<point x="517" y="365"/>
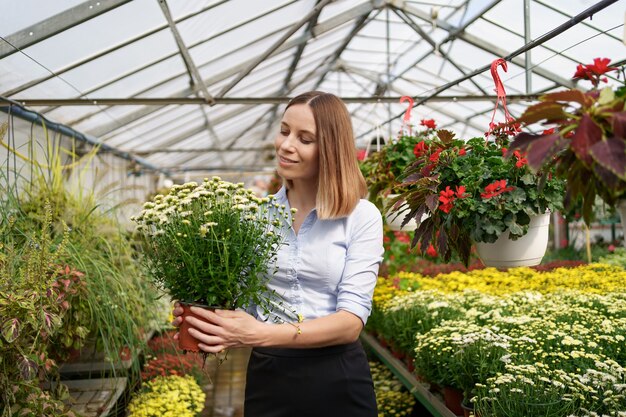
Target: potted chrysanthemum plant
<point x="212" y="244"/>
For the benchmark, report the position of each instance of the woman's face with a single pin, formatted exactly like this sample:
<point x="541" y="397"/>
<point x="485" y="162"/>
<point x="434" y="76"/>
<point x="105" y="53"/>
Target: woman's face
<point x="297" y="148"/>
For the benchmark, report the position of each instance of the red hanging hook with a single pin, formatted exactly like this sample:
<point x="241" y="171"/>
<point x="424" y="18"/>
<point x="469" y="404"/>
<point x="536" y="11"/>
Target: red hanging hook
<point x="501" y="97"/>
<point x="406" y="120"/>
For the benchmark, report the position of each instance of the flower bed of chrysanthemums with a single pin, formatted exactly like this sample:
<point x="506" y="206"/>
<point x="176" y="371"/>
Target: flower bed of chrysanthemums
<point x="171" y="382"/>
<point x="392" y="398"/>
<point x="517" y="342"/>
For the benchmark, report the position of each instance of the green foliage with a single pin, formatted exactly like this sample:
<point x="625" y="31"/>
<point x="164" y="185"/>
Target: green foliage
<point x="382" y="169"/>
<point x="67" y="275"/>
<point x="470" y="192"/>
<point x="32" y="313"/>
<point x="212" y="243"/>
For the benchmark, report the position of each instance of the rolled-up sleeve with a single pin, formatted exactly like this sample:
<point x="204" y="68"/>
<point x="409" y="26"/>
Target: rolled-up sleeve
<point x="364" y="255"/>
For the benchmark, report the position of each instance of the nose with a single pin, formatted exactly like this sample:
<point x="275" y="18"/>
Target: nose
<point x="286" y="143"/>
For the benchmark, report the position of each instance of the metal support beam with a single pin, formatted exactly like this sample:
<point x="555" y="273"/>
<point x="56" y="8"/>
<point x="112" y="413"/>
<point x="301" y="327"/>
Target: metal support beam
<point x="365" y="18"/>
<point x="107" y="51"/>
<point x="511" y="57"/>
<point x="428" y="39"/>
<point x="318" y="30"/>
<point x="202" y="150"/>
<point x="391" y="87"/>
<point x="34" y="117"/>
<point x="175" y="132"/>
<point x="475" y="16"/>
<point x="56" y="24"/>
<point x="527" y="59"/>
<point x="196" y="79"/>
<point x="241" y="100"/>
<point x="497" y="51"/>
<point x="292" y="68"/>
<point x="583" y="23"/>
<point x="270" y="51"/>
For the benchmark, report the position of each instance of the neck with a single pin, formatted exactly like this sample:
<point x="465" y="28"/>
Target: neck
<point x="302" y="195"/>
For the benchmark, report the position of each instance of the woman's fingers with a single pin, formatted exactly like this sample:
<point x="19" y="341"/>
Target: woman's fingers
<point x="211" y="349"/>
<point x="178" y="310"/>
<point x="207" y="339"/>
<point x="206" y="314"/>
<point x="204" y="327"/>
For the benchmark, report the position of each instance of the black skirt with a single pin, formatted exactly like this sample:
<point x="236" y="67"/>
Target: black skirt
<point x="321" y="382"/>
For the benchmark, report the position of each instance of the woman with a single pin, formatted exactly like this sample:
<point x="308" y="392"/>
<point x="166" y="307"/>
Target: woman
<point x="326" y="273"/>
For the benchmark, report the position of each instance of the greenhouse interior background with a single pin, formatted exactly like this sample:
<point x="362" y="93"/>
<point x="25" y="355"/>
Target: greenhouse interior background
<point x="123" y="98"/>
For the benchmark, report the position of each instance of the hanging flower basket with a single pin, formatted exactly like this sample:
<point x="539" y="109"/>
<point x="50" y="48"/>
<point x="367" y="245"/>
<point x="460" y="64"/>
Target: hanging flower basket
<point x="527" y="250"/>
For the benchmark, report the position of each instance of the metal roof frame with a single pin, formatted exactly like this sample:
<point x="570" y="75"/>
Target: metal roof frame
<point x="325" y="45"/>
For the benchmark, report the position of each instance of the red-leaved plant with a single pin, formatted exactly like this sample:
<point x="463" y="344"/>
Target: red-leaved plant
<point x="587" y="143"/>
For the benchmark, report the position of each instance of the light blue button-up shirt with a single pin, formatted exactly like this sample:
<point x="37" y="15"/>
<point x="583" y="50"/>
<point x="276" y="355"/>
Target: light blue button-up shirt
<point x="329" y="265"/>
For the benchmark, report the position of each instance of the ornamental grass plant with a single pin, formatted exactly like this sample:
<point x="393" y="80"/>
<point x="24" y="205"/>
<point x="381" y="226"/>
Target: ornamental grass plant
<point x="463" y="192"/>
<point x="212" y="243"/>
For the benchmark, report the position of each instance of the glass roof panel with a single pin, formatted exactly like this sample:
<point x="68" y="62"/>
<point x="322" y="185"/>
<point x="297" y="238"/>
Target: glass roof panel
<point x="228" y="37"/>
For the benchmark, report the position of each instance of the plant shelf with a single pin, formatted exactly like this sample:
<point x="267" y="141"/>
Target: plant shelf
<point x="96" y="397"/>
<point x="432" y="403"/>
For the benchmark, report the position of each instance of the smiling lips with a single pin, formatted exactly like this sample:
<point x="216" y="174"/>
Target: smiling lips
<point x="284" y="160"/>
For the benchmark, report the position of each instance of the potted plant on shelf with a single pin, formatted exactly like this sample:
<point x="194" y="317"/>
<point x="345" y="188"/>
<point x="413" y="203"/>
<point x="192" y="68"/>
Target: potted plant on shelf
<point x="212" y="245"/>
<point x="383" y="168"/>
<point x="472" y="193"/>
<point x="587" y="143"/>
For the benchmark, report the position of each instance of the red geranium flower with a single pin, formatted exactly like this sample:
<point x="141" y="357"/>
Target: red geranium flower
<point x="462" y="152"/>
<point x="496" y="188"/>
<point x="460" y="192"/>
<point x="431" y="251"/>
<point x="521" y="161"/>
<point x="592" y="72"/>
<point x="435" y="156"/>
<point x="446" y="197"/>
<point x="600" y="66"/>
<point x="429" y="123"/>
<point x="420" y="149"/>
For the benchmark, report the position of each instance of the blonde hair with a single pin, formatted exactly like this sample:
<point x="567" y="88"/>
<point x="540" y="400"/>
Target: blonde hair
<point x="340" y="183"/>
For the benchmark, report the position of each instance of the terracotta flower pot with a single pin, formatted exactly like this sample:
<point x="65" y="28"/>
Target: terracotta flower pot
<point x="186" y="341"/>
<point x="468" y="409"/>
<point x="453" y="398"/>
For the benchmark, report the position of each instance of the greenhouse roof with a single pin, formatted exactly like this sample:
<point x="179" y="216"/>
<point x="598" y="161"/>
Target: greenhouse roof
<point x="200" y="85"/>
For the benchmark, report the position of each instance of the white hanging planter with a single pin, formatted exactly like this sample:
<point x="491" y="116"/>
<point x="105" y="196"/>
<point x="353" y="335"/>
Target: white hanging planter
<point x="394" y="218"/>
<point x="528" y="250"/>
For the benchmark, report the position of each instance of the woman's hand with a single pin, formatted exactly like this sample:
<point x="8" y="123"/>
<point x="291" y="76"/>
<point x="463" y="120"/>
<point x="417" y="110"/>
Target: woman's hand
<point x="177" y="312"/>
<point x="222" y="329"/>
